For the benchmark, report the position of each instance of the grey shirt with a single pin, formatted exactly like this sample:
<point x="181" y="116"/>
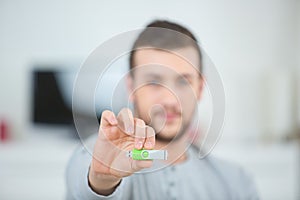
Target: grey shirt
<point x="207" y="178"/>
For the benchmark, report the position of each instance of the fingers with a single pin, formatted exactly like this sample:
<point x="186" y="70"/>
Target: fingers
<point x="140" y="133"/>
<point x="144" y="135"/>
<point x="150" y="138"/>
<point x="108" y="119"/>
<point x="126" y="121"/>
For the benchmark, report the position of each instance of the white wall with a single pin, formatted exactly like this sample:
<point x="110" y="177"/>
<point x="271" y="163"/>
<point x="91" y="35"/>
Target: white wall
<point x="245" y="39"/>
<point x="298" y="66"/>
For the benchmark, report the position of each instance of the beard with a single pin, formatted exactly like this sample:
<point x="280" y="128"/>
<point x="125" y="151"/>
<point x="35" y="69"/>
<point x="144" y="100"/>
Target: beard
<point x="160" y="136"/>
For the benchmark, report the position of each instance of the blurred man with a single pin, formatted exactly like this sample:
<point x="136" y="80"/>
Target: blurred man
<point x="165" y="84"/>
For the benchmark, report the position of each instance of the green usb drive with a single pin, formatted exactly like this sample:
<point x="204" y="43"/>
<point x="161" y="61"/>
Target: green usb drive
<point x="145" y="154"/>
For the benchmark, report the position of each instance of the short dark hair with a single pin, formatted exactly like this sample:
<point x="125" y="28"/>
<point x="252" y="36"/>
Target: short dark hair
<point x="165" y="35"/>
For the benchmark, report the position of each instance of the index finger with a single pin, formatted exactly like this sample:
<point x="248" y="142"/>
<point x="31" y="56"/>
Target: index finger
<point x="108" y="119"/>
<point x="126" y="121"/>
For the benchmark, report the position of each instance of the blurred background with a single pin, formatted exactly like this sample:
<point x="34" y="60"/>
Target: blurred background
<point x="255" y="45"/>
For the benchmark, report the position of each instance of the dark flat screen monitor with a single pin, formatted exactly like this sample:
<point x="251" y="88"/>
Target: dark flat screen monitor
<point x="48" y="105"/>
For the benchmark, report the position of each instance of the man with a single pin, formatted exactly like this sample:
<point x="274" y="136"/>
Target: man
<point x="164" y="84"/>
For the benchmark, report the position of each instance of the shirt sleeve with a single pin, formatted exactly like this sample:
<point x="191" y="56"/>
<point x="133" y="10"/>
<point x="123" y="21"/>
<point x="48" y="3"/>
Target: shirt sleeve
<point x="77" y="180"/>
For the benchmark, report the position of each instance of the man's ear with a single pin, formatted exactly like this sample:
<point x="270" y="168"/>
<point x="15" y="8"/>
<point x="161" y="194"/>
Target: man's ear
<point x="129" y="85"/>
<point x="200" y="87"/>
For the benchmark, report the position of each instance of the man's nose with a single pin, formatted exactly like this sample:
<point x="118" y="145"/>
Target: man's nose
<point x="169" y="97"/>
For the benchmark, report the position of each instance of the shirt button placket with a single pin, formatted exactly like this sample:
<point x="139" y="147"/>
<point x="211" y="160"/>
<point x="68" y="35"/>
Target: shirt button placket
<point x="172" y="184"/>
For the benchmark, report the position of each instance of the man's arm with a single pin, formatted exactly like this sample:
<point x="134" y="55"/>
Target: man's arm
<point x="78" y="186"/>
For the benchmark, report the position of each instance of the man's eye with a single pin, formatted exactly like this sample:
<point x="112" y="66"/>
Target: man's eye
<point x="182" y="82"/>
<point x="153" y="82"/>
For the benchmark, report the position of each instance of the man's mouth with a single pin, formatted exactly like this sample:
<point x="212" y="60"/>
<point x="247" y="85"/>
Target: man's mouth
<point x="172" y="116"/>
<point x="169" y="117"/>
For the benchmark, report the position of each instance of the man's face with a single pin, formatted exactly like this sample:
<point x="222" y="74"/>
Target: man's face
<point x="165" y="89"/>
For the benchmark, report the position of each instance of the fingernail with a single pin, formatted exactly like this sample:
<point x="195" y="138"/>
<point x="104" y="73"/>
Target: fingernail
<point x="149" y="144"/>
<point x="113" y="120"/>
<point x="139" y="144"/>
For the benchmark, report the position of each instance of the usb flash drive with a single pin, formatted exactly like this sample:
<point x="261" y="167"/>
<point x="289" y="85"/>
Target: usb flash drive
<point x="145" y="154"/>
